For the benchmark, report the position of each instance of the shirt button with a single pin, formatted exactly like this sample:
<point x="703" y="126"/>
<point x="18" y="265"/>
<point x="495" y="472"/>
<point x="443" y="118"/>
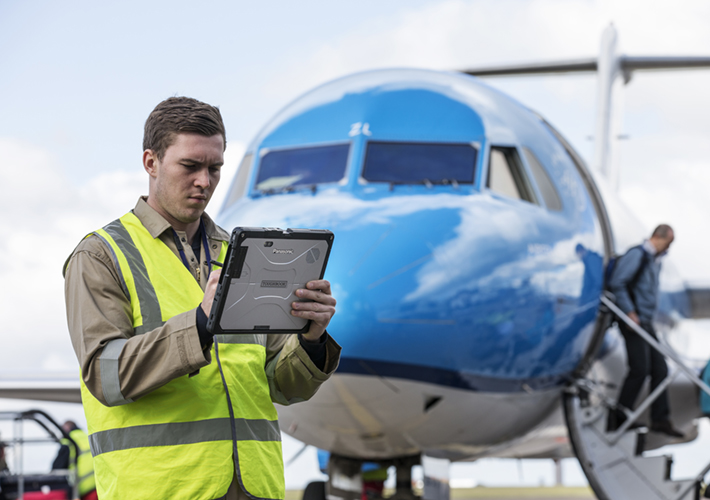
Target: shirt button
<point x="192" y="259"/>
<point x="183" y="239"/>
<point x="214" y="247"/>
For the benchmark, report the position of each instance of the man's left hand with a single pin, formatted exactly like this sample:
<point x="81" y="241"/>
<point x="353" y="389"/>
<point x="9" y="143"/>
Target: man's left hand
<point x="319" y="311"/>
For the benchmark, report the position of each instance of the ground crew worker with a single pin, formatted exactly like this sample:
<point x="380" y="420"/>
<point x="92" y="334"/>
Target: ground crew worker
<point x="171" y="412"/>
<point x="82" y="465"/>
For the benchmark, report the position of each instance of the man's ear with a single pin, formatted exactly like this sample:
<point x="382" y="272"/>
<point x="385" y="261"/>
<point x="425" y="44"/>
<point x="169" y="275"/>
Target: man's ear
<point x="150" y="162"/>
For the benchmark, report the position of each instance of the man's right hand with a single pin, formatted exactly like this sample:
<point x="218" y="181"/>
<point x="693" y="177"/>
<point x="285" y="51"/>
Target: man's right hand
<point x="210" y="290"/>
<point x="634" y="317"/>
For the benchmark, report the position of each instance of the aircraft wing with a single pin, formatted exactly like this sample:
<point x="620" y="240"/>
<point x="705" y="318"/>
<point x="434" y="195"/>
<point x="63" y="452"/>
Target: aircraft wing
<point x="45" y="387"/>
<point x="573" y="66"/>
<point x="627" y="64"/>
<point x="650" y="63"/>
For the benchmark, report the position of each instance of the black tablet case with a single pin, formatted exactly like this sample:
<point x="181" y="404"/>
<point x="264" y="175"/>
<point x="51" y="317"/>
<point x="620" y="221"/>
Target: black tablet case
<point x="263" y="269"/>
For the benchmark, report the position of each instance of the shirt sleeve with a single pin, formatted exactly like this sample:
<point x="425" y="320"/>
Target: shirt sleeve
<point x="118" y="366"/>
<point x="292" y="374"/>
<point x="626" y="267"/>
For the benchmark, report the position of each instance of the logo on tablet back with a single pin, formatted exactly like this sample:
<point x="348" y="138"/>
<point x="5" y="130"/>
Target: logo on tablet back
<point x="273" y="284"/>
<point x="285" y="250"/>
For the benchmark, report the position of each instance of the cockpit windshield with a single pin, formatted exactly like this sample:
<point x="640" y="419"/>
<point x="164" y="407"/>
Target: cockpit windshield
<point x="284" y="169"/>
<point x="420" y="163"/>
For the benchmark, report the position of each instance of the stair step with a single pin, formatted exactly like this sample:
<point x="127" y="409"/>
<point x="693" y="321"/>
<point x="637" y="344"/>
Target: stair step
<point x="656" y="469"/>
<point x="673" y="488"/>
<point x="623" y="478"/>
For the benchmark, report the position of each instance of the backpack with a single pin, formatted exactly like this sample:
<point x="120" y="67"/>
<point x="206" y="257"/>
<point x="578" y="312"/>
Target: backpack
<point x="611" y="265"/>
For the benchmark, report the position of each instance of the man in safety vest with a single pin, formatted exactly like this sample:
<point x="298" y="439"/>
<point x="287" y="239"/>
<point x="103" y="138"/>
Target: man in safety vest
<point x="81" y="464"/>
<point x="173" y="413"/>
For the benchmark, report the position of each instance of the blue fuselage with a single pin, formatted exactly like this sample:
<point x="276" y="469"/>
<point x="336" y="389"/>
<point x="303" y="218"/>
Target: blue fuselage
<point x="448" y="283"/>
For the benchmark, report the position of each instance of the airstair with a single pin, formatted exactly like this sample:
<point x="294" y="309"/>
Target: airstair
<point x="617" y="464"/>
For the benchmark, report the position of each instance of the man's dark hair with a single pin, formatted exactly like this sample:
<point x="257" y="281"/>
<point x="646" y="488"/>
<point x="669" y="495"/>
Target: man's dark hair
<point x="177" y="115"/>
<point x="662" y="231"/>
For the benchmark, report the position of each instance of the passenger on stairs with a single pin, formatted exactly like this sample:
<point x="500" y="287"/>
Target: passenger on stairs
<point x="634" y="283"/>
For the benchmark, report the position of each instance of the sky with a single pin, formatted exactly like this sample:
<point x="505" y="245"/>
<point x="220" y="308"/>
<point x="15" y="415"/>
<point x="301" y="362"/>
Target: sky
<point x="79" y="78"/>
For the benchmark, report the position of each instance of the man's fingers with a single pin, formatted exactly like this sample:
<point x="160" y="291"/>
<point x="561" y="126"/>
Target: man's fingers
<point x="322" y="285"/>
<point x="312" y="306"/>
<point x="317" y="296"/>
<point x="321" y="318"/>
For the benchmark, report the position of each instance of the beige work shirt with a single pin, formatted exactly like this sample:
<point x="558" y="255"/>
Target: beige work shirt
<point x="98" y="311"/>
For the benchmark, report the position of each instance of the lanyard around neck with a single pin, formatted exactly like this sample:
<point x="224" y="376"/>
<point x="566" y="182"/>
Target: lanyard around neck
<point x="205" y="244"/>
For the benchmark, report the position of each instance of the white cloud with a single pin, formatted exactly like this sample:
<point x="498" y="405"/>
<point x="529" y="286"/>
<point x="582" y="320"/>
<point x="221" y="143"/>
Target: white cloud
<point x="458" y="34"/>
<point x="46" y="218"/>
<point x="48" y="215"/>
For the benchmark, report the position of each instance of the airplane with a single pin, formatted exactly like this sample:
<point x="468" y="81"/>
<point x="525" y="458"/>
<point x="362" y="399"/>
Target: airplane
<point x="469" y="256"/>
<point x="470" y="247"/>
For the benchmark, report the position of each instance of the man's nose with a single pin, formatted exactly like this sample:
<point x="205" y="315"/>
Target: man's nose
<point x="202" y="178"/>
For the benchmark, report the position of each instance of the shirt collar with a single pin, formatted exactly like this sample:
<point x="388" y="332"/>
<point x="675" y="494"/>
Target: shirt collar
<point x="650" y="249"/>
<point x="648" y="246"/>
<point x="157" y="225"/>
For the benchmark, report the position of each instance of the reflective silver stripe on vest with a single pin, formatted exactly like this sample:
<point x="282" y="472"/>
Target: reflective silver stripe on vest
<point x="257" y="430"/>
<point x="147" y="298"/>
<point x="242" y="338"/>
<point x="110" y="382"/>
<point x="178" y="433"/>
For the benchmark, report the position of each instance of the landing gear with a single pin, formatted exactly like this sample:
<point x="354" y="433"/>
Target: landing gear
<point x="314" y="491"/>
<point x="351" y="479"/>
<point x="344" y="479"/>
<point x="403" y="489"/>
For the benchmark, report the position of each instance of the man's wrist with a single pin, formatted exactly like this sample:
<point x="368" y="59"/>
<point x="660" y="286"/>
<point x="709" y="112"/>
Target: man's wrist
<point x="201" y="323"/>
<point x="318" y="340"/>
<point x="315" y="349"/>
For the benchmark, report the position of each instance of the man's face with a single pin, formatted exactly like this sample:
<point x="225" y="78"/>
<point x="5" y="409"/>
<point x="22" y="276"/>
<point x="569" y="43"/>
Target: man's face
<point x="663" y="244"/>
<point x="182" y="182"/>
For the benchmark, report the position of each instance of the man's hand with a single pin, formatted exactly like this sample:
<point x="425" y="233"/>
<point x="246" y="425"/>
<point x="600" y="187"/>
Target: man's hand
<point x="320" y="311"/>
<point x="210" y="290"/>
<point x="634" y="317"/>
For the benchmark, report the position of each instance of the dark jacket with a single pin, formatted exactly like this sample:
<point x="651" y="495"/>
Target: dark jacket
<point x="643" y="296"/>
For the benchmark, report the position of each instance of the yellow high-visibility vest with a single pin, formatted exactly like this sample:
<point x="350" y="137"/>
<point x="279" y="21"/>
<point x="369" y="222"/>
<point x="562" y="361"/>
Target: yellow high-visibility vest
<point x="188" y="438"/>
<point x="84" y="464"/>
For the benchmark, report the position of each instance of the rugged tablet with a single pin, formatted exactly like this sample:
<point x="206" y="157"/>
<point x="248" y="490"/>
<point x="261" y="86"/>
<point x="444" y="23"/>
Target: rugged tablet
<point x="263" y="269"/>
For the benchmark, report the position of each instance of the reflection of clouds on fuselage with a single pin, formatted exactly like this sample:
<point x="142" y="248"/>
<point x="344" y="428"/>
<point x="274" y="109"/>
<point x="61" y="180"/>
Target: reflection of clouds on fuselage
<point x="551" y="267"/>
<point x="332" y="208"/>
<point x="502" y="276"/>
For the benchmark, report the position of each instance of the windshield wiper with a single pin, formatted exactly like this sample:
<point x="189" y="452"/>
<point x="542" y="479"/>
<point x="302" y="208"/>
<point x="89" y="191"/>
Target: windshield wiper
<point x="313" y="188"/>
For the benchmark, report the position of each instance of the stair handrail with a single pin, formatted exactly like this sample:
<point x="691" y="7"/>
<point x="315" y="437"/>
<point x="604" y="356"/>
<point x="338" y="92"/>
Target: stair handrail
<point x="666" y="351"/>
<point x="673" y="356"/>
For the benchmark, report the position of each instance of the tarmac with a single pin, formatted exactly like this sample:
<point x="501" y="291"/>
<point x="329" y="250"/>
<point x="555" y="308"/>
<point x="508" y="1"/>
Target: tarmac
<point x="484" y="493"/>
<point x="543" y="493"/>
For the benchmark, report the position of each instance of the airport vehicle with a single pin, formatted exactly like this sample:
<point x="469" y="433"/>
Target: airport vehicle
<point x="471" y="241"/>
<point x="34" y="427"/>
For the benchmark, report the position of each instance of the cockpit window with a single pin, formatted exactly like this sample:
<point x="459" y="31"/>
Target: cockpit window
<point x="506" y="175"/>
<point x="416" y="163"/>
<point x="288" y="168"/>
<point x="544" y="183"/>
